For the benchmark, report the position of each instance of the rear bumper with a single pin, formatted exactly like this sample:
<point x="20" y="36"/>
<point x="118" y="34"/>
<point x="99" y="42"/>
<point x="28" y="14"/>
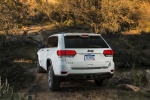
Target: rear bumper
<point x="106" y="75"/>
<point x="82" y="72"/>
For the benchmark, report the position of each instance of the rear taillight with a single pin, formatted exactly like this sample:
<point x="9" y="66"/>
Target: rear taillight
<point x="62" y="53"/>
<point x="108" y="53"/>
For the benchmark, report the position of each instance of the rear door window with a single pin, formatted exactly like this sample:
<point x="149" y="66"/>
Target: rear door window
<point x="85" y="42"/>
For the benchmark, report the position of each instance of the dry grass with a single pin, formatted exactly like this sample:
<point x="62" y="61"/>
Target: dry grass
<point x="144" y="24"/>
<point x="99" y="15"/>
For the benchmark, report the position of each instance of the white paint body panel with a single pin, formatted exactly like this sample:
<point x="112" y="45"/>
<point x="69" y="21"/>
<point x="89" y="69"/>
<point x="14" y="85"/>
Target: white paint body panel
<point x="76" y="64"/>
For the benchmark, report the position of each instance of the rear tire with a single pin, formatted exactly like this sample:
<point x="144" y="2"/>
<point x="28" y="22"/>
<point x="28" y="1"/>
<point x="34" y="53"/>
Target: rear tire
<point x="53" y="81"/>
<point x="98" y="82"/>
<point x="39" y="68"/>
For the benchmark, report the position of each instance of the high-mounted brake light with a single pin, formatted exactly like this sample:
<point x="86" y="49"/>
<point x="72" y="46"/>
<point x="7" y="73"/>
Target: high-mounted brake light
<point x="108" y="53"/>
<point x="61" y="53"/>
<point x="85" y="35"/>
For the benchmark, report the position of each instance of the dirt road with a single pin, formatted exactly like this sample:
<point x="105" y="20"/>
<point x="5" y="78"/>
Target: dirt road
<point x="70" y="90"/>
<point x="80" y="90"/>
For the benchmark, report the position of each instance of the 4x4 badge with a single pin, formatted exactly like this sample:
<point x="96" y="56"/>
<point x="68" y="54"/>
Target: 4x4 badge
<point x="90" y="51"/>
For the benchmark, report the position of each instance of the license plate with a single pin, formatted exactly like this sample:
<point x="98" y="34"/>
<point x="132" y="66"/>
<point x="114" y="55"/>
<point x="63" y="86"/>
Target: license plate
<point x="89" y="57"/>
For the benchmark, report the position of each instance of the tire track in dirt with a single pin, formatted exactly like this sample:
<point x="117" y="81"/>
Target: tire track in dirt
<point x="70" y="90"/>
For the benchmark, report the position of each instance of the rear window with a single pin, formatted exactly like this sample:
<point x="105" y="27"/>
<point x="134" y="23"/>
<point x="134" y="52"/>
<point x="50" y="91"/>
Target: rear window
<point x="84" y="42"/>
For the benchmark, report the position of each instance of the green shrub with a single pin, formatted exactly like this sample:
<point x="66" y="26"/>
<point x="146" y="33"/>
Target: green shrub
<point x="13" y="72"/>
<point x="130" y="50"/>
<point x="7" y="93"/>
<point x="99" y="15"/>
<point x="138" y="78"/>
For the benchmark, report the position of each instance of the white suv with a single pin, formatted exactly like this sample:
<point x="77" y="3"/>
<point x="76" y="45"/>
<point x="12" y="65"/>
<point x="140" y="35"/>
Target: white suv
<point x="75" y="55"/>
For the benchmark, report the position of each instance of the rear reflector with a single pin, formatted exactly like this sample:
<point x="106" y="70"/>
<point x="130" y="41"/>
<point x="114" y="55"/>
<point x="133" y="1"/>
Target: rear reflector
<point x="112" y="70"/>
<point x="61" y="53"/>
<point x="108" y="53"/>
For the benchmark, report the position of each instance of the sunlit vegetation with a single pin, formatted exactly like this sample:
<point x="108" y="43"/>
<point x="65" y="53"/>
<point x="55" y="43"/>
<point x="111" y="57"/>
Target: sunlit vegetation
<point x="106" y="16"/>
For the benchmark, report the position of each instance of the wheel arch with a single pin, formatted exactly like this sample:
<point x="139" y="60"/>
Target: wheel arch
<point x="37" y="56"/>
<point x="48" y="63"/>
<point x="38" y="59"/>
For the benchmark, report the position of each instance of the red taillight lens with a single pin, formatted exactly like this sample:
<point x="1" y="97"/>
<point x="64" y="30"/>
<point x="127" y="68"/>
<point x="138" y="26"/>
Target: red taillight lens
<point x="61" y="53"/>
<point x="108" y="53"/>
<point x="70" y="52"/>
